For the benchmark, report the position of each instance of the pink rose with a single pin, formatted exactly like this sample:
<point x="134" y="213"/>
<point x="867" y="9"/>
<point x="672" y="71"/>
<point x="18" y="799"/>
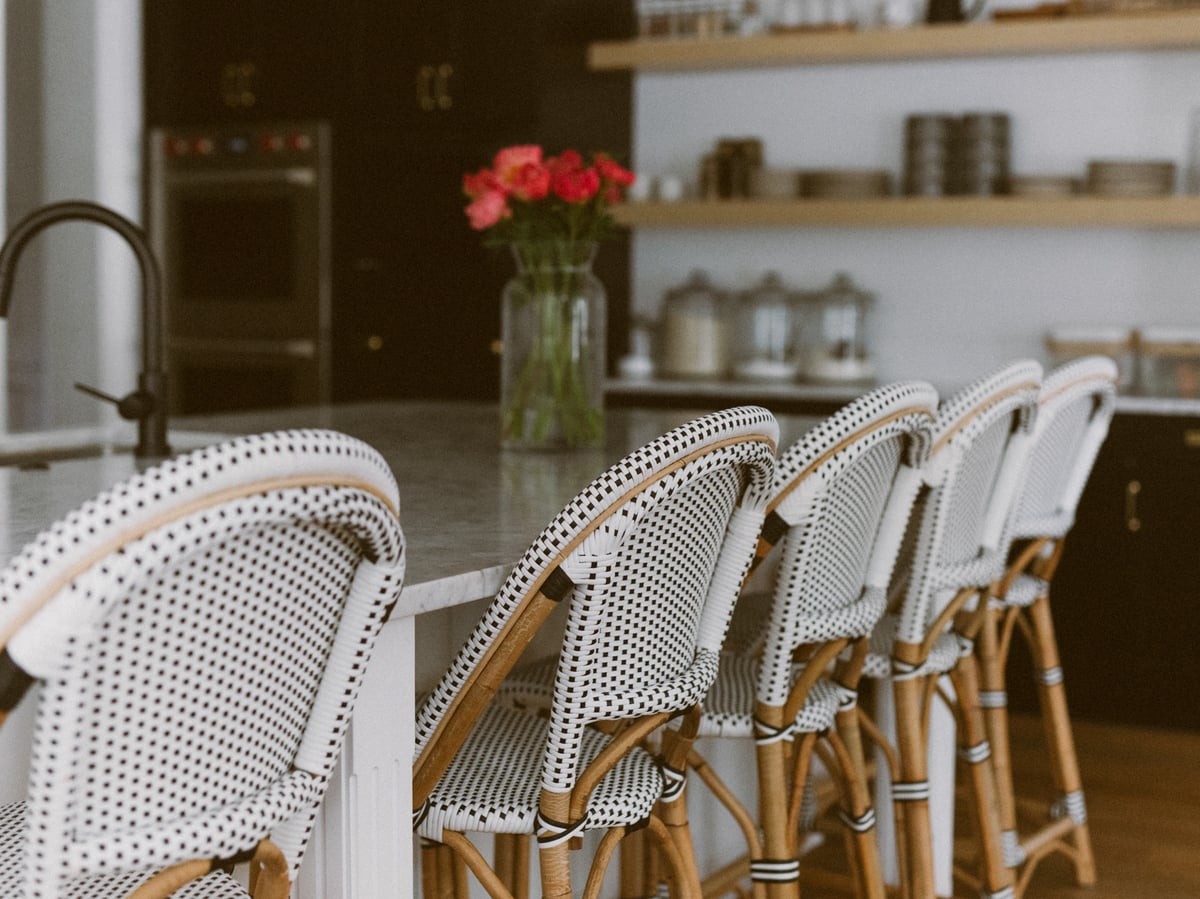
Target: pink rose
<point x="531" y="182"/>
<point x="511" y="160"/>
<point x="577" y="186"/>
<point x="487" y="209"/>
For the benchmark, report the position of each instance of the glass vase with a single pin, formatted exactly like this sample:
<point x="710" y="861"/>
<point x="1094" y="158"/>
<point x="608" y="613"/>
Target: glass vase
<point x="553" y="363"/>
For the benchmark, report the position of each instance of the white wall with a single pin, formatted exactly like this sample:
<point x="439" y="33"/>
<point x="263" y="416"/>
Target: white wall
<point x="73" y="114"/>
<point x="951" y="301"/>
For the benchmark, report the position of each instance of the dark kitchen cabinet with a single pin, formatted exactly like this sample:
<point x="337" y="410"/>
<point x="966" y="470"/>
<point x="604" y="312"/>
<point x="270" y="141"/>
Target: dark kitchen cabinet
<point x="221" y="61"/>
<point x="1126" y="597"/>
<point x="417" y="94"/>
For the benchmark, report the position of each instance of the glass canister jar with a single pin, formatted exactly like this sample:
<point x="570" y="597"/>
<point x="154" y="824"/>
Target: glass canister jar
<point x="694" y="331"/>
<point x="767" y="333"/>
<point x="839" y="351"/>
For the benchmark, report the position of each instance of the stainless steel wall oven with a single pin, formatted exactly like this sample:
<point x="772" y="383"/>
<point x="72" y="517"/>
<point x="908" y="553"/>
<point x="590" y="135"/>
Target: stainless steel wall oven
<point x="240" y="217"/>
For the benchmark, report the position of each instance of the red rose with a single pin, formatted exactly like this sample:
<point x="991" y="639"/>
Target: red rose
<point x="531" y="182"/>
<point x="479" y="183"/>
<point x="610" y="171"/>
<point x="577" y="186"/>
<point x="568" y="161"/>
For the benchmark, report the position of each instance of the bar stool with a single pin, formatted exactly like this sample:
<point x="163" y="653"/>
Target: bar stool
<point x="648" y="560"/>
<point x="1074" y="411"/>
<point x="840" y="503"/>
<point x="950" y="556"/>
<point x="198" y="634"/>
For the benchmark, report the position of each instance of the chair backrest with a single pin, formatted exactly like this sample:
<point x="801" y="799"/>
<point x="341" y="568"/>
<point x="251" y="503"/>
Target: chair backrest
<point x="199" y="634"/>
<point x="842" y="496"/>
<point x="980" y="448"/>
<point x="1074" y="411"/>
<point x="649" y="557"/>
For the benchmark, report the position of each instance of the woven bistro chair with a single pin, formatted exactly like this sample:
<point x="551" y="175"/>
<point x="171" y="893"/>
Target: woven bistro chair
<point x="648" y="560"/>
<point x="951" y="554"/>
<point x="1074" y="411"/>
<point x="840" y="503"/>
<point x="198" y="635"/>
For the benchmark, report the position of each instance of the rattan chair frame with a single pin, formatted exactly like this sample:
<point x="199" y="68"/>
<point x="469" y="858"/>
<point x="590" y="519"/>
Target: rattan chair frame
<point x="841" y="500"/>
<point x="953" y="552"/>
<point x="705" y="484"/>
<point x="1075" y="408"/>
<point x="105" y="611"/>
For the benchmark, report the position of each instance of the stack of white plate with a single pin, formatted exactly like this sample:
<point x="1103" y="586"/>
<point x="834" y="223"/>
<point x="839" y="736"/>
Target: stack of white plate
<point x="1131" y="178"/>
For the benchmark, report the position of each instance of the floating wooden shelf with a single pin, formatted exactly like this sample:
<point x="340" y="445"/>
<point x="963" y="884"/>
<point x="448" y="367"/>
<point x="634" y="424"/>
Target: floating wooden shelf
<point x="1024" y="37"/>
<point x="920" y="212"/>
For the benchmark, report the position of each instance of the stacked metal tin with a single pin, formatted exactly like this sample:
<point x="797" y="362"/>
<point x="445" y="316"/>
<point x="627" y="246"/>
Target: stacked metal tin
<point x="930" y="150"/>
<point x="949" y="154"/>
<point x="984" y="154"/>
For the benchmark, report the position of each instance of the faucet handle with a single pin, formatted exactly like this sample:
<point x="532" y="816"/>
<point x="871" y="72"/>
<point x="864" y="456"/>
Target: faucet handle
<point x="133" y="406"/>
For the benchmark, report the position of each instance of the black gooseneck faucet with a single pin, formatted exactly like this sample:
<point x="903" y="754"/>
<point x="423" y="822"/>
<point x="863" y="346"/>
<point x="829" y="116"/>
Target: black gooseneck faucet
<point x="147" y="404"/>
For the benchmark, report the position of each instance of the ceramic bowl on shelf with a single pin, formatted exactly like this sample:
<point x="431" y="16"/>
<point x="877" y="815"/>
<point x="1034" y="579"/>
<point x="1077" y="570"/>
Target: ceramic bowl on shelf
<point x="1128" y="178"/>
<point x="846" y="183"/>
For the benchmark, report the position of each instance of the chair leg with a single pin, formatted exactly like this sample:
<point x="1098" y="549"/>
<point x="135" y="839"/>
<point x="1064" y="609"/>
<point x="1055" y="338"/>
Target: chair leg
<point x="634" y="861"/>
<point x="997" y="875"/>
<point x="858" y="814"/>
<point x="512" y="862"/>
<point x="777" y="866"/>
<point x="1060" y="738"/>
<point x="672" y="809"/>
<point x="991" y="651"/>
<point x="911" y="791"/>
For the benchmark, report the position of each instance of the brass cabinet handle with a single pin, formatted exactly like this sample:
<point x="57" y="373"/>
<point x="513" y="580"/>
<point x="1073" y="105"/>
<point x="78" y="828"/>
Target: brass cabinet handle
<point x="425" y="98"/>
<point x="1133" y="522"/>
<point x="441" y="89"/>
<point x="374" y="343"/>
<point x="237" y="84"/>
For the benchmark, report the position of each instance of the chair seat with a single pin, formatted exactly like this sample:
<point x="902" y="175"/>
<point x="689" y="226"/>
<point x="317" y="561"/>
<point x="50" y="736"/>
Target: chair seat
<point x="1023" y="592"/>
<point x="942" y="657"/>
<point x="217" y="885"/>
<point x="494" y="782"/>
<point x="729" y="706"/>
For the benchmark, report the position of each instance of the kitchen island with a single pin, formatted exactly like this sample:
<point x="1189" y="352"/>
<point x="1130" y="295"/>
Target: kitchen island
<point x="468" y="510"/>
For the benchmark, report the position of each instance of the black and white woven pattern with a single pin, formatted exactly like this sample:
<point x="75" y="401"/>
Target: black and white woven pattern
<point x="843" y="494"/>
<point x="655" y="549"/>
<point x="199" y="633"/>
<point x="980" y="452"/>
<point x="1075" y="409"/>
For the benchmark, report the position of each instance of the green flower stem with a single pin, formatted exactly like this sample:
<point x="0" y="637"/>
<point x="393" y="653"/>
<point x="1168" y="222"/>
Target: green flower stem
<point x="549" y="397"/>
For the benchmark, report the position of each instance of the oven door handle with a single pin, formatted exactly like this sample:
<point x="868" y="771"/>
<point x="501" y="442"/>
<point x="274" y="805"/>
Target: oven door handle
<point x="293" y="349"/>
<point x="302" y="176"/>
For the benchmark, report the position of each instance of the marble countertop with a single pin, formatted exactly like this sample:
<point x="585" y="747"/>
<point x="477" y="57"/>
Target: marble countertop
<point x="468" y="508"/>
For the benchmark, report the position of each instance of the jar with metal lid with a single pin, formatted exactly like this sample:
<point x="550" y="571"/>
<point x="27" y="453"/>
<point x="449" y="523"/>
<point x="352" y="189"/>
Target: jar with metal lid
<point x="839" y="351"/>
<point x="1169" y="361"/>
<point x="1072" y="341"/>
<point x="694" y="331"/>
<point x="767" y="333"/>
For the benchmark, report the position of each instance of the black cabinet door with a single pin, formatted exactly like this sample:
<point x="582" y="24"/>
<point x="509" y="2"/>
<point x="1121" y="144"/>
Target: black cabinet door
<point x="417" y="295"/>
<point x="1127" y="593"/>
<point x="445" y="66"/>
<point x="210" y="61"/>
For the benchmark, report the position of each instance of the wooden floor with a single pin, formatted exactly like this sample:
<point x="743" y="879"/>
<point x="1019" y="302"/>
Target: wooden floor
<point x="1143" y="797"/>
